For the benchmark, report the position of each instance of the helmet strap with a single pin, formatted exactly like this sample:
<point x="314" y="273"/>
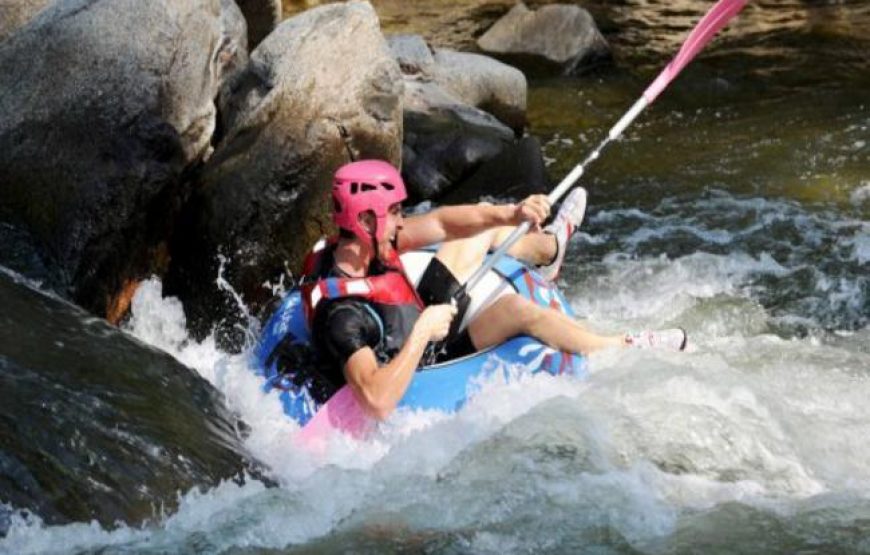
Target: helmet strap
<point x="375" y="249"/>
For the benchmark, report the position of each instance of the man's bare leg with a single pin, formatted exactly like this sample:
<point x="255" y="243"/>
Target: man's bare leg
<point x="542" y="249"/>
<point x="535" y="248"/>
<point x="464" y="256"/>
<point x="514" y="315"/>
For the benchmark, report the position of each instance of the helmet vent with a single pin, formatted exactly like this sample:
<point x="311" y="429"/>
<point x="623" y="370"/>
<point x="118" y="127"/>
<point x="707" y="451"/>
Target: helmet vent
<point x="387" y="186"/>
<point x="354" y="188"/>
<point x="368" y="187"/>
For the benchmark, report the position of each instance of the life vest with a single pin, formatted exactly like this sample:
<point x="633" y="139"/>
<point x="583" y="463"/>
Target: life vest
<point x="390" y="296"/>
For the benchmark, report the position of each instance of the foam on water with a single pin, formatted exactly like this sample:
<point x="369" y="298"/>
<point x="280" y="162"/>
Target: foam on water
<point x="810" y="264"/>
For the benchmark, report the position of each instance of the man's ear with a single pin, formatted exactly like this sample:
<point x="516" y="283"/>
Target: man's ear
<point x="368" y="220"/>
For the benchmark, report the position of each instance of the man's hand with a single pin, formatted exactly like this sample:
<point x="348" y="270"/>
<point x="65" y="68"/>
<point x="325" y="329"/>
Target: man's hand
<point x="379" y="388"/>
<point x="533" y="209"/>
<point x="435" y="321"/>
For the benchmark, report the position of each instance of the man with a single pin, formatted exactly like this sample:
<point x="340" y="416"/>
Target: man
<point x="370" y="324"/>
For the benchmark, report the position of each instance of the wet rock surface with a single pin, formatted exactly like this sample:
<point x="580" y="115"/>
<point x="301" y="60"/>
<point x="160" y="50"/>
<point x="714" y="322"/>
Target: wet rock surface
<point x="460" y="110"/>
<point x="94" y="425"/>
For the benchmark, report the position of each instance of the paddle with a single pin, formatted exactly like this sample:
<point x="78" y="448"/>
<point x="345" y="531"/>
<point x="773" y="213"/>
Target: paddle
<point x="718" y="16"/>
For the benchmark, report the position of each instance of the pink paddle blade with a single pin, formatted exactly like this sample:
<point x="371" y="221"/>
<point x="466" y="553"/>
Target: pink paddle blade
<point x="718" y="16"/>
<point x="341" y="413"/>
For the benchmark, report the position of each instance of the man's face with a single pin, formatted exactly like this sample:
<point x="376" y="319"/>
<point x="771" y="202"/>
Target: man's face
<point x="395" y="220"/>
<point x="392" y="225"/>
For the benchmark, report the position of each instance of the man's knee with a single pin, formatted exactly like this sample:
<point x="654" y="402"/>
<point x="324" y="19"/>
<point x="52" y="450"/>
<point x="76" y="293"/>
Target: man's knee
<point x="523" y="312"/>
<point x="464" y="256"/>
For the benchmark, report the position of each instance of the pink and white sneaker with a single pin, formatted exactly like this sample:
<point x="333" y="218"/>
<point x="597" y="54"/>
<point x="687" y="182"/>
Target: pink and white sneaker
<point x="568" y="219"/>
<point x="673" y="339"/>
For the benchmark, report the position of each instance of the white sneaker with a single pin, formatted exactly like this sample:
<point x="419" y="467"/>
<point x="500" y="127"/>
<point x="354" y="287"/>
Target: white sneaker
<point x="674" y="339"/>
<point x="568" y="219"/>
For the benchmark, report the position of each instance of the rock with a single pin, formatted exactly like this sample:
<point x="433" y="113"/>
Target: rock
<point x="429" y="99"/>
<point x="515" y="172"/>
<point x="320" y="90"/>
<point x="563" y="36"/>
<point x="105" y="105"/>
<point x="484" y="83"/>
<point x="442" y="149"/>
<point x="16" y="13"/>
<point x="262" y="16"/>
<point x="439" y="78"/>
<point x="456" y="107"/>
<point x="94" y="425"/>
<point x="413" y="55"/>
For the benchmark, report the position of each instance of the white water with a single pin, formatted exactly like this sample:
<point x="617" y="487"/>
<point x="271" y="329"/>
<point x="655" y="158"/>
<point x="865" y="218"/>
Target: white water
<point x="651" y="447"/>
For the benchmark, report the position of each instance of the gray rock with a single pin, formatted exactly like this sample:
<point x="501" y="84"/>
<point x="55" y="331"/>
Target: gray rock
<point x="563" y="35"/>
<point x="105" y="103"/>
<point x="413" y="55"/>
<point x="460" y="110"/>
<point x="320" y="90"/>
<point x="484" y="83"/>
<point x="16" y="13"/>
<point x="436" y="79"/>
<point x="445" y="139"/>
<point x="442" y="149"/>
<point x="427" y="98"/>
<point x="516" y="172"/>
<point x="262" y="16"/>
<point x="235" y="25"/>
<point x="95" y="425"/>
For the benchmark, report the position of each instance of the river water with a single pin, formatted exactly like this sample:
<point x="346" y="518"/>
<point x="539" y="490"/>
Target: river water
<point x="738" y="207"/>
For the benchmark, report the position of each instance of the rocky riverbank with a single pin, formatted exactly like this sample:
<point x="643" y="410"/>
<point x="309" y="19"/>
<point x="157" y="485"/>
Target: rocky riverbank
<point x="145" y="139"/>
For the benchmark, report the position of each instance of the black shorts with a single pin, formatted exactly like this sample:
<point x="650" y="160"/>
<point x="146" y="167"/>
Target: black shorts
<point x="437" y="286"/>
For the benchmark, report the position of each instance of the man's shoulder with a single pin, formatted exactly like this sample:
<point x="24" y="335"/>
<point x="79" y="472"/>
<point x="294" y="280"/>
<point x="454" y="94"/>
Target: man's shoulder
<point x="345" y="309"/>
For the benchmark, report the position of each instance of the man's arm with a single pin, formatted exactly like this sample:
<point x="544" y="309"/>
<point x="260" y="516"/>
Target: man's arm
<point x="457" y="222"/>
<point x="380" y="388"/>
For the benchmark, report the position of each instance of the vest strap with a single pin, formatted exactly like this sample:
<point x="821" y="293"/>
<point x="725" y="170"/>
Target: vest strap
<point x="391" y="288"/>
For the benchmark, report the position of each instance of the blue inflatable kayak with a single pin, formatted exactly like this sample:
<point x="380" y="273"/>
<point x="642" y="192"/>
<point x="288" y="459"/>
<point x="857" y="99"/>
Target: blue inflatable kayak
<point x="446" y="386"/>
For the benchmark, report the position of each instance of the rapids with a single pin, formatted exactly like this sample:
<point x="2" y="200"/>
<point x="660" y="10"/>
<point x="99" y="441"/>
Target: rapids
<point x="738" y="206"/>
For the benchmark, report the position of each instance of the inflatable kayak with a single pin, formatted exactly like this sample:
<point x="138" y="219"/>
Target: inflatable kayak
<point x="444" y="387"/>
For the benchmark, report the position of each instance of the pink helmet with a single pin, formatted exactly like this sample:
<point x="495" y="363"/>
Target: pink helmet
<point x="366" y="185"/>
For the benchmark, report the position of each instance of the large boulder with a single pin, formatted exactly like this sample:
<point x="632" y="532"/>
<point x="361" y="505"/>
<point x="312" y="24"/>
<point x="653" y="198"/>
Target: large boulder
<point x="554" y="36"/>
<point x="16" y="13"/>
<point x="95" y="425"/>
<point x="105" y="104"/>
<point x="319" y="91"/>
